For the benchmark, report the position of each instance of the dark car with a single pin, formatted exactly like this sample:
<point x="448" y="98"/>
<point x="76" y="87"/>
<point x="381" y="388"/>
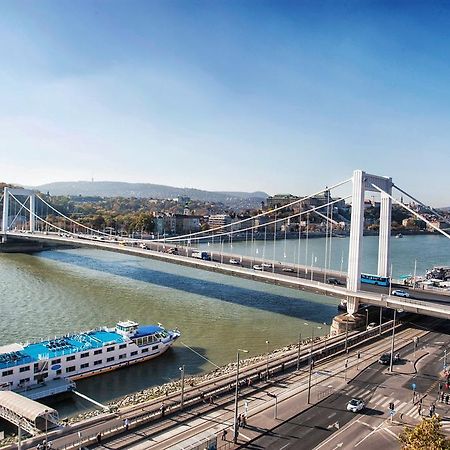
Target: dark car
<point x="385" y="359"/>
<point x="335" y="281"/>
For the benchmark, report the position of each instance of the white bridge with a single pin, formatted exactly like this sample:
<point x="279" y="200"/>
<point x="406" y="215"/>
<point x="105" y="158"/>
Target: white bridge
<point x="433" y="305"/>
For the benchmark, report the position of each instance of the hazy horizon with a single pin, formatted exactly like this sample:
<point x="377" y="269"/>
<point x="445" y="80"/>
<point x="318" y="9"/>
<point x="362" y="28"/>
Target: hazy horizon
<point x="278" y="96"/>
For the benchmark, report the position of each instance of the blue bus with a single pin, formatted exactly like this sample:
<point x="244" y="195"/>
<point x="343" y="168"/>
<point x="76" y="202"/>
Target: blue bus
<point x="374" y="279"/>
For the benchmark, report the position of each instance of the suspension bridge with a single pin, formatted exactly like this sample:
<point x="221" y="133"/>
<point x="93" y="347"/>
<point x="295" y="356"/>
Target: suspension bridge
<point x="24" y="220"/>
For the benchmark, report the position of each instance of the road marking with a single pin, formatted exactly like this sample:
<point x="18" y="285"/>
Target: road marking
<point x="365" y="437"/>
<point x="335" y="434"/>
<point x="332" y="415"/>
<point x="390" y="432"/>
<point x="284" y="446"/>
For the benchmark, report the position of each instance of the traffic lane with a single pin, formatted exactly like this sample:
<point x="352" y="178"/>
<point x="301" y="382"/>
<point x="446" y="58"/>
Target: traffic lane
<point x="320" y="421"/>
<point x="365" y="433"/>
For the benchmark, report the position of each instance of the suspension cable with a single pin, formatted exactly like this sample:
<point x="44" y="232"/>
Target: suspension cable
<point x="190" y="235"/>
<point x="444" y="219"/>
<point x="413" y="212"/>
<point x="314" y="209"/>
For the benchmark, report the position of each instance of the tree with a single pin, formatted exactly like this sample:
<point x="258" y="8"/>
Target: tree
<point x="424" y="436"/>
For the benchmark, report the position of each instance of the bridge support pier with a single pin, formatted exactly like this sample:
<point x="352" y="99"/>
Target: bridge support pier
<point x="345" y="323"/>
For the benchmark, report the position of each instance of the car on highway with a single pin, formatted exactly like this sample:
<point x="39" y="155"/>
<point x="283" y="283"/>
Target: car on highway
<point x="372" y="325"/>
<point x="234" y="261"/>
<point x="335" y="281"/>
<point x="401" y="293"/>
<point x="287" y="269"/>
<point x="267" y="265"/>
<point x="257" y="267"/>
<point x="385" y="358"/>
<point x="355" y="405"/>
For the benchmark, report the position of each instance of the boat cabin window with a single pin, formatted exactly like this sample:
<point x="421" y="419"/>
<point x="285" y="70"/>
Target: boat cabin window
<point x="56" y="361"/>
<point x="122" y="346"/>
<point x="84" y="355"/>
<point x="98" y="352"/>
<point x="24" y="368"/>
<point x="70" y="358"/>
<point x="5" y="373"/>
<point x="110" y="349"/>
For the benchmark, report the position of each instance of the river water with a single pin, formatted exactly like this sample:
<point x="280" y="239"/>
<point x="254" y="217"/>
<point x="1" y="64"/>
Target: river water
<point x="55" y="292"/>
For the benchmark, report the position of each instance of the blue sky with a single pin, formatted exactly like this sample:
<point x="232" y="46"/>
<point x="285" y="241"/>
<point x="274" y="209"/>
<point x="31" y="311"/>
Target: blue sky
<point x="281" y="96"/>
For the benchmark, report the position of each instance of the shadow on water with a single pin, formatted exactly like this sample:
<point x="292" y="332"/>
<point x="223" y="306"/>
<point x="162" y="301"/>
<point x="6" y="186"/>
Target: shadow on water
<point x="267" y="301"/>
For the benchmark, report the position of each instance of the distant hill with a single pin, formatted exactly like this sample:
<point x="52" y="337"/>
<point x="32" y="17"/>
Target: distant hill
<point x="143" y="190"/>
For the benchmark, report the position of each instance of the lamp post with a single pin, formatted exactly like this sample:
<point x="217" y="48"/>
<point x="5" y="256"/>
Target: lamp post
<point x="381" y="318"/>
<point x="367" y="317"/>
<point x="46" y="428"/>
<point x="346" y="333"/>
<point x="182" y="386"/>
<point x="327" y="333"/>
<point x="299" y="347"/>
<point x="236" y="394"/>
<point x="19" y="435"/>
<point x="311" y="363"/>
<point x="392" y="342"/>
<point x="267" y="360"/>
<point x="390" y="282"/>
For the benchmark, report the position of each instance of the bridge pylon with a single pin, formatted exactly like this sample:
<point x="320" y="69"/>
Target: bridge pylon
<point x="363" y="182"/>
<point x="7" y="220"/>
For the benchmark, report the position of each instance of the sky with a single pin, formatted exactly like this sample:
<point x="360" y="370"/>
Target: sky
<point x="279" y="96"/>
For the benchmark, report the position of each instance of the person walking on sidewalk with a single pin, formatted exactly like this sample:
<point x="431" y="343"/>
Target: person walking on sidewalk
<point x="126" y="423"/>
<point x="224" y="434"/>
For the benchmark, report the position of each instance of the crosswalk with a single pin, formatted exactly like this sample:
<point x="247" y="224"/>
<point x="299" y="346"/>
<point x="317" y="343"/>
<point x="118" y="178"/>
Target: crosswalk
<point x="402" y="409"/>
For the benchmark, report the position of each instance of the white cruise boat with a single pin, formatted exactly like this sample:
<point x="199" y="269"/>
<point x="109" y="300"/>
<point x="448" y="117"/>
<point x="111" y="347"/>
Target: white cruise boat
<point x="76" y="356"/>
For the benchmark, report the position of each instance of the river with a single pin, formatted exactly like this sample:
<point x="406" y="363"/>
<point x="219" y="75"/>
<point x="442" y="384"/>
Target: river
<point x="55" y="292"/>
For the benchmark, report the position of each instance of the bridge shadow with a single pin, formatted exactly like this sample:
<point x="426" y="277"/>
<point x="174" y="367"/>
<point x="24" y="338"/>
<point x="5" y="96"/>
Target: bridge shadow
<point x="276" y="303"/>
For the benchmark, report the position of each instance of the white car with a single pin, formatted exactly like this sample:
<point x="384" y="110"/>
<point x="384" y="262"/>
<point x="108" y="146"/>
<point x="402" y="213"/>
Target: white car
<point x="355" y="405"/>
<point x="257" y="267"/>
<point x="266" y="265"/>
<point x="287" y="269"/>
<point x="400" y="293"/>
<point x="234" y="261"/>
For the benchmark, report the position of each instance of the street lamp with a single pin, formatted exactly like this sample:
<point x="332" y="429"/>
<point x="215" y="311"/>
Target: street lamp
<point x="236" y="394"/>
<point x="392" y="342"/>
<point x="182" y="386"/>
<point x="367" y="317"/>
<point x="46" y="428"/>
<point x="267" y="360"/>
<point x="299" y="347"/>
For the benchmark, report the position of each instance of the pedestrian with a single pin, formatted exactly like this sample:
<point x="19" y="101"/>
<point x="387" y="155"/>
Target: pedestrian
<point x="224" y="434"/>
<point x="99" y="438"/>
<point x="442" y="396"/>
<point x="419" y="409"/>
<point x="162" y="409"/>
<point x="433" y="407"/>
<point x="239" y="421"/>
<point x="244" y="421"/>
<point x="447" y="398"/>
<point x="126" y="422"/>
<point x="211" y="401"/>
<point x="431" y="410"/>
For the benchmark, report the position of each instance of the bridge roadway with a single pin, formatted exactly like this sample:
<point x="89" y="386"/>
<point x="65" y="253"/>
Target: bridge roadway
<point x="298" y="277"/>
<point x="149" y="428"/>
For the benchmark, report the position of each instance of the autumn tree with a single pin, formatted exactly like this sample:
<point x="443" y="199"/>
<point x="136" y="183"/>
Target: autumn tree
<point x="426" y="435"/>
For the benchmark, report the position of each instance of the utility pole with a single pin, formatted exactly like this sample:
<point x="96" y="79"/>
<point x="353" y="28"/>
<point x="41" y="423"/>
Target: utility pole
<point x="298" y="353"/>
<point x="309" y="378"/>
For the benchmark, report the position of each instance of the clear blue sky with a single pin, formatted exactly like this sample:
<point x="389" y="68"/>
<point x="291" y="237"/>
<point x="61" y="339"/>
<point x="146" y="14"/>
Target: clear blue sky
<point x="281" y="96"/>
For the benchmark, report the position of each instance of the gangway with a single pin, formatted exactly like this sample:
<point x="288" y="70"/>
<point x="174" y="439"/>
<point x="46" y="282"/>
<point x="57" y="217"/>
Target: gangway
<point x="29" y="415"/>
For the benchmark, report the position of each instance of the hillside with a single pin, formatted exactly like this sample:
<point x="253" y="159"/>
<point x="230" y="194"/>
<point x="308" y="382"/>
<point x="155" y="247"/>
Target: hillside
<point x="143" y="190"/>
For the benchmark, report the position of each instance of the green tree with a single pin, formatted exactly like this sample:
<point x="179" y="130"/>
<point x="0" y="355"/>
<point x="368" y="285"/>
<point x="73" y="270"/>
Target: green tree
<point x="426" y="435"/>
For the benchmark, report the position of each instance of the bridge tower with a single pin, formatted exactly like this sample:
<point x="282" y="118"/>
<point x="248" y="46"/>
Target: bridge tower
<point x="31" y="197"/>
<point x="363" y="182"/>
